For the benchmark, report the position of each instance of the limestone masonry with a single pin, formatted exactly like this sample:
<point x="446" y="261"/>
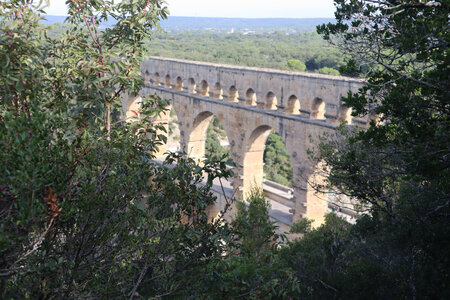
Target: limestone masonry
<point x="250" y="103"/>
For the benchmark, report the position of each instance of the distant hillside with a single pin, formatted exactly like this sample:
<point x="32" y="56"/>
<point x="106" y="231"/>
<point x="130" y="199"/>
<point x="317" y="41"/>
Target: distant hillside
<point x="227" y="24"/>
<point x="53" y="19"/>
<point x="241" y="24"/>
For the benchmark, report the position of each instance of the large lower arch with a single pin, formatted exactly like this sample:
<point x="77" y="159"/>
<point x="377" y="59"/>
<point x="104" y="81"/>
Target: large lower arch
<point x="253" y="165"/>
<point x="197" y="137"/>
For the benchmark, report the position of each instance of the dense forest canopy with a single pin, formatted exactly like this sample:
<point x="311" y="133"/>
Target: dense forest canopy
<point x="254" y="50"/>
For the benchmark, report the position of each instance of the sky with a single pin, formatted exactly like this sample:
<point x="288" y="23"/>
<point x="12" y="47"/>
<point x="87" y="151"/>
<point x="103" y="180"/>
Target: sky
<point x="236" y="8"/>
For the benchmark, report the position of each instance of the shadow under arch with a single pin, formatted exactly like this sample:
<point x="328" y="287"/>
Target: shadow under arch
<point x="192" y="86"/>
<point x="318" y="109"/>
<point x="233" y="94"/>
<point x="203" y="89"/>
<point x="168" y="82"/>
<point x="293" y="105"/>
<point x="156" y="79"/>
<point x="179" y="84"/>
<point x="271" y="101"/>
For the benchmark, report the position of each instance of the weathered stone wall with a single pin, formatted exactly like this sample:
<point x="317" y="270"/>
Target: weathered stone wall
<point x="250" y="103"/>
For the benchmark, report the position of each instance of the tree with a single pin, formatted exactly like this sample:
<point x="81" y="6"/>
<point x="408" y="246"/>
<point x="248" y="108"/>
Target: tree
<point x="399" y="167"/>
<point x="277" y="161"/>
<point x="78" y="217"/>
<point x="328" y="71"/>
<point x="214" y="151"/>
<point x="296" y="65"/>
<point x="250" y="271"/>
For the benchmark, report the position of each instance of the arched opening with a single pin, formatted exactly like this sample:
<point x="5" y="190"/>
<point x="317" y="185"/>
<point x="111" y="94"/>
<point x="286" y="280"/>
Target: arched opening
<point x="208" y="139"/>
<point x="191" y="86"/>
<point x="318" y="109"/>
<point x="253" y="166"/>
<point x="196" y="144"/>
<point x="179" y="84"/>
<point x="267" y="165"/>
<point x="167" y="82"/>
<point x="147" y="77"/>
<point x="345" y="114"/>
<point x="217" y="146"/>
<point x="233" y="94"/>
<point x="133" y="108"/>
<point x="157" y="80"/>
<point x="204" y="89"/>
<point x="250" y="97"/>
<point x="271" y="101"/>
<point x="293" y="105"/>
<point x="218" y="92"/>
<point x="277" y="161"/>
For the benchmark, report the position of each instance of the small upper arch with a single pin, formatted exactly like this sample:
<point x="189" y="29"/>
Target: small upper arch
<point x="318" y="109"/>
<point x="345" y="114"/>
<point x="179" y="85"/>
<point x="191" y="86"/>
<point x="233" y="94"/>
<point x="157" y="79"/>
<point x="167" y="82"/>
<point x="204" y="89"/>
<point x="271" y="101"/>
<point x="250" y="97"/>
<point x="293" y="105"/>
<point x="217" y="92"/>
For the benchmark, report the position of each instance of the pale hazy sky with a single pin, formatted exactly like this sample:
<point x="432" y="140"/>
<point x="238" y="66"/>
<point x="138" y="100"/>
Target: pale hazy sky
<point x="236" y="8"/>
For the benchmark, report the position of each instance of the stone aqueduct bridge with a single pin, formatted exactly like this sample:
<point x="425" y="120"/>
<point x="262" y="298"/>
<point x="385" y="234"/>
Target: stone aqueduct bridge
<point x="250" y="103"/>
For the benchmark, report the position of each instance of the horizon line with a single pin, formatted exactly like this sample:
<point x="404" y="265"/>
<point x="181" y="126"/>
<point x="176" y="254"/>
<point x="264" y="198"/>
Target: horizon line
<point x="287" y="18"/>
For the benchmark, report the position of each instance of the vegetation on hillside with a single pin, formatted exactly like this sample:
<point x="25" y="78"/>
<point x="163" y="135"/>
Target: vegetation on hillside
<point x="277" y="161"/>
<point x="276" y="50"/>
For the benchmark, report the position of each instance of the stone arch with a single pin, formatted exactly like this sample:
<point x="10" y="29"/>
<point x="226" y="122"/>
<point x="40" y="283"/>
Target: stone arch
<point x="345" y="114"/>
<point x="318" y="109"/>
<point x="204" y="89"/>
<point x="146" y="77"/>
<point x="271" y="101"/>
<point x="167" y="82"/>
<point x="293" y="105"/>
<point x="233" y="94"/>
<point x="191" y="86"/>
<point x="197" y="137"/>
<point x="157" y="79"/>
<point x="198" y="134"/>
<point x="253" y="166"/>
<point x="217" y="92"/>
<point x="250" y="97"/>
<point x="133" y="107"/>
<point x="179" y="85"/>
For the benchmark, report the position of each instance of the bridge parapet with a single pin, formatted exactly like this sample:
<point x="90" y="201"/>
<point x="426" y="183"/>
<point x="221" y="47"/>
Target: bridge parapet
<point x="314" y="96"/>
